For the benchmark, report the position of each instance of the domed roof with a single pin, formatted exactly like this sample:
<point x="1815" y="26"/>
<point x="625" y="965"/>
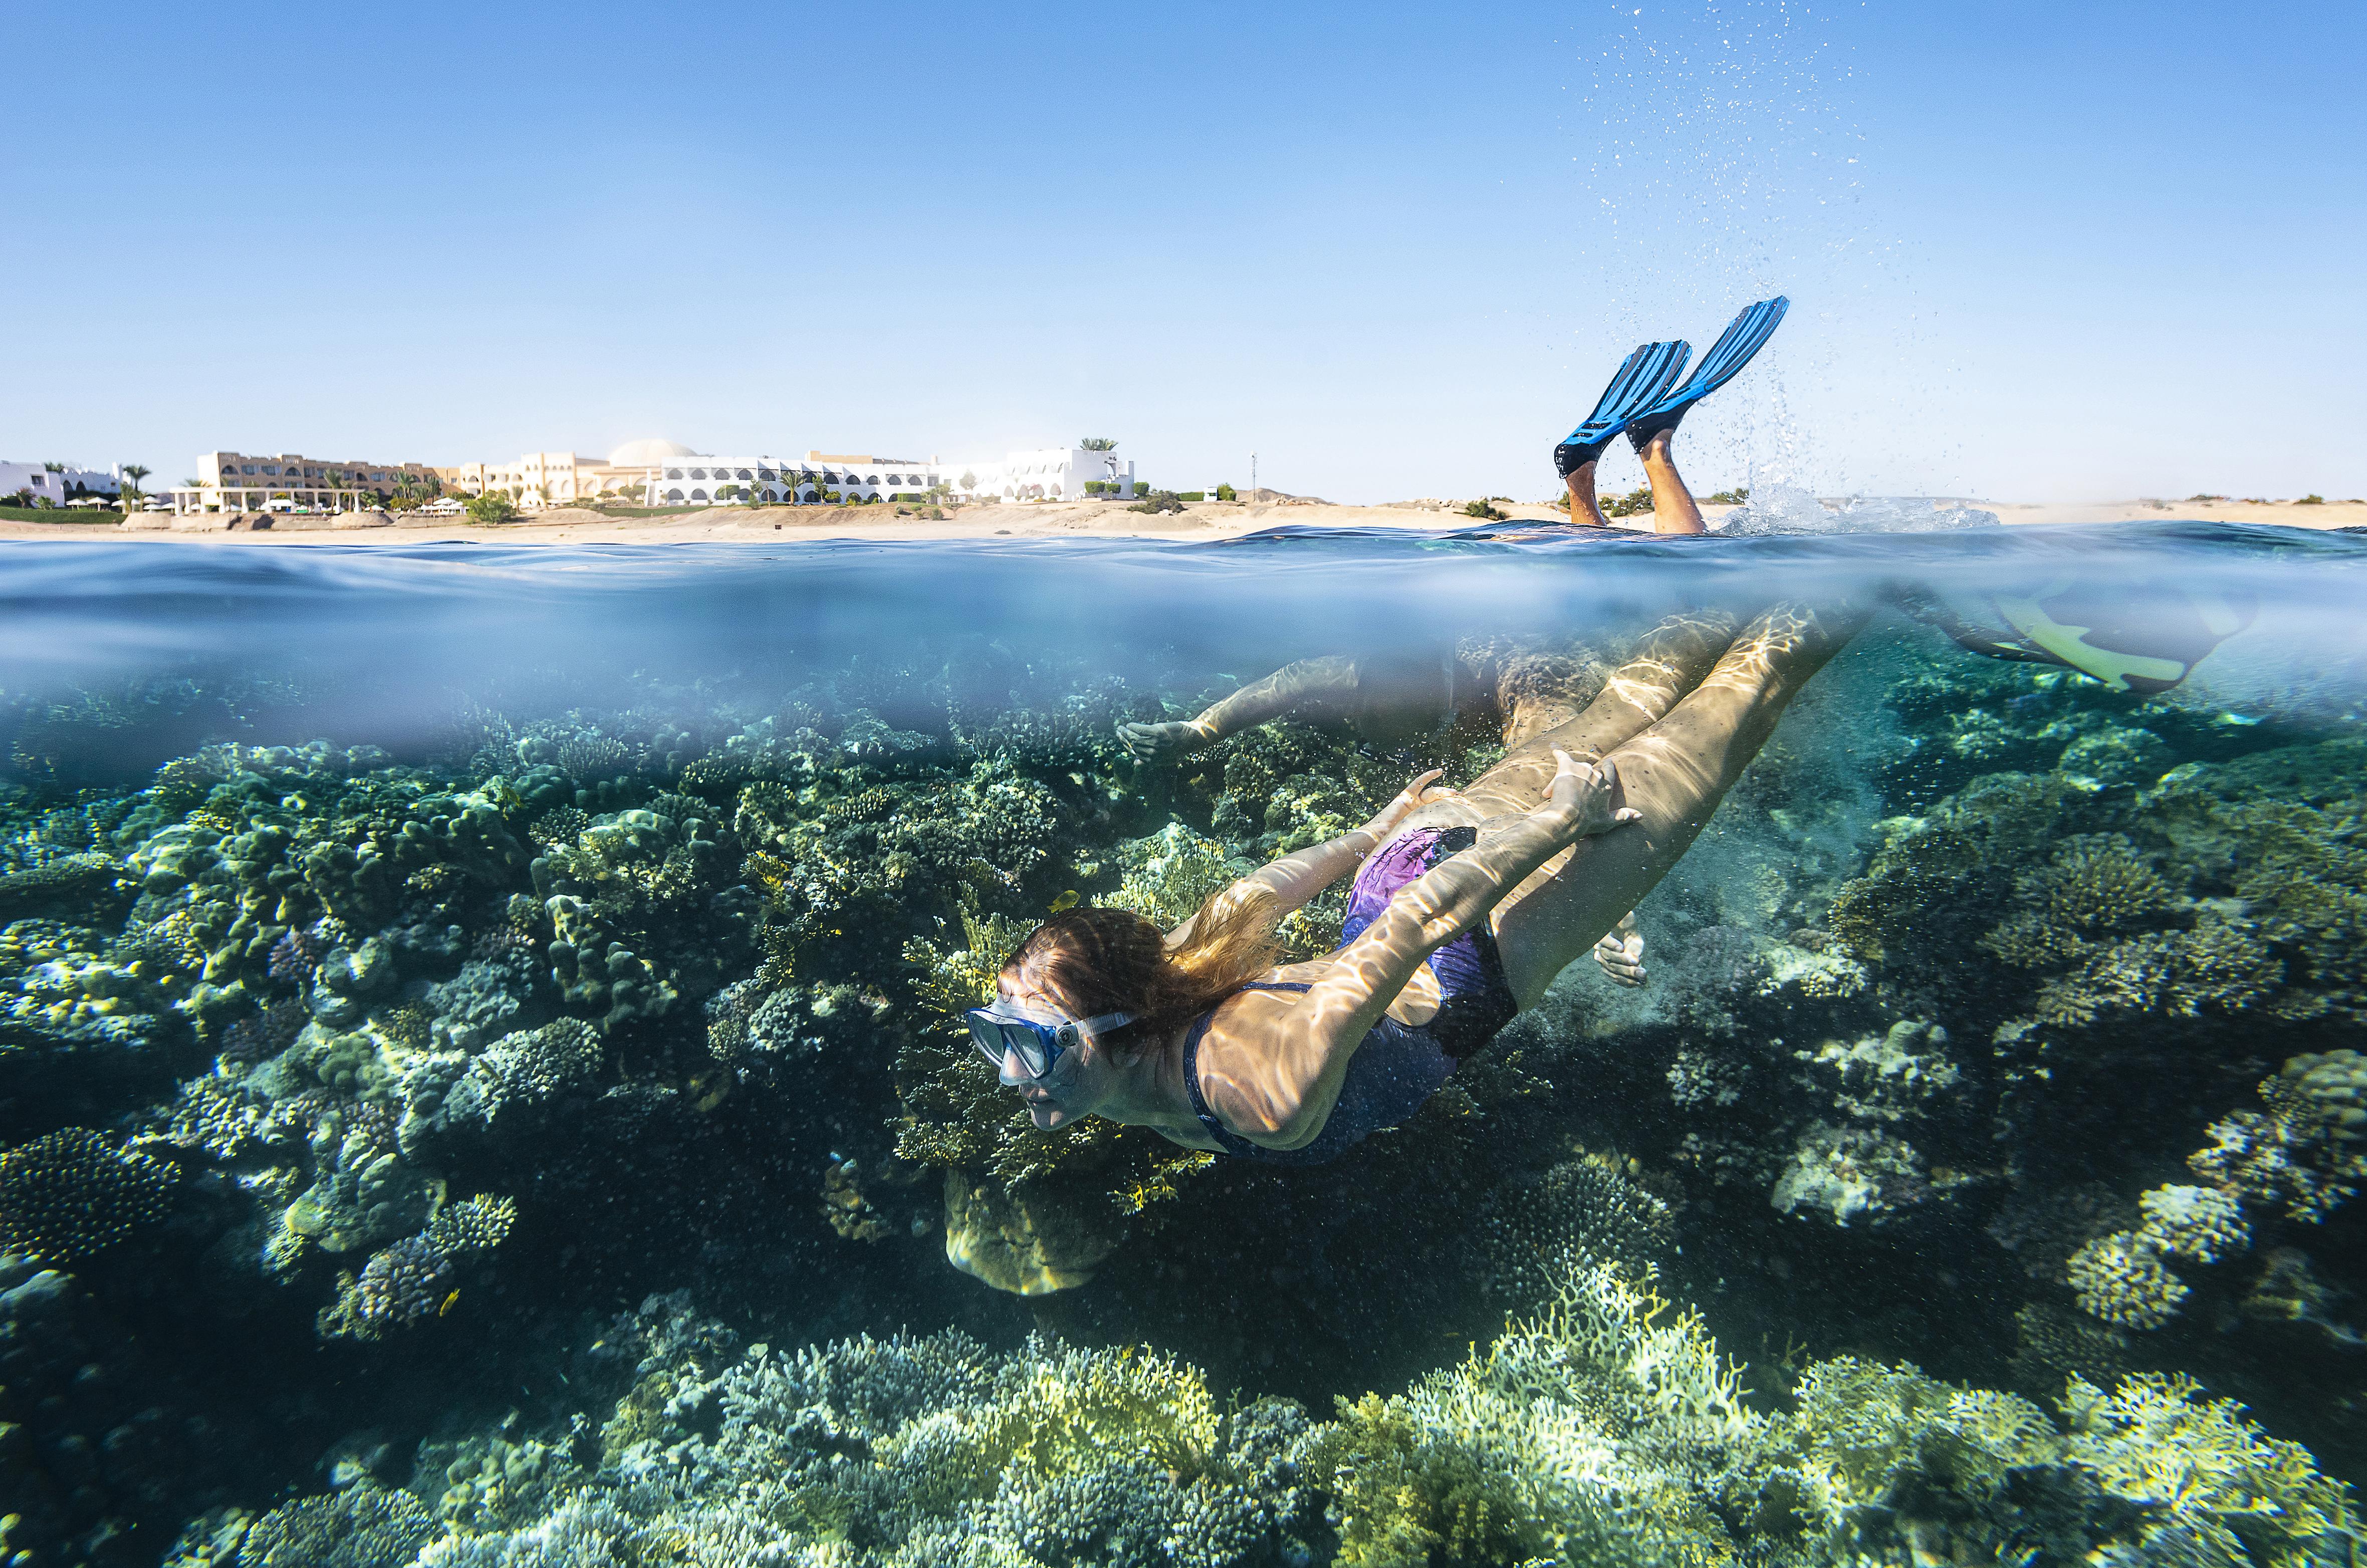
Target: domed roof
<point x="641" y="454"/>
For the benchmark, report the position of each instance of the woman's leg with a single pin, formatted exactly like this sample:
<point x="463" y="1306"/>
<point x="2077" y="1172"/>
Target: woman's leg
<point x="1667" y="663"/>
<point x="1675" y="773"/>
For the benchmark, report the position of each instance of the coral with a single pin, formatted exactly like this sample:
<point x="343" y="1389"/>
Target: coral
<point x="258" y="1036"/>
<point x="492" y="1481"/>
<point x="2121" y="1279"/>
<point x="2208" y="1472"/>
<point x="1584" y="1432"/>
<point x="1582" y="1212"/>
<point x="71" y="1194"/>
<point x="524" y="1070"/>
<point x="365" y="1525"/>
<point x="1030" y="1239"/>
<point x="2200" y="1223"/>
<point x="1882" y="1077"/>
<point x="403" y="1284"/>
<point x="1850" y="1173"/>
<point x="478" y="1224"/>
<point x="58" y="881"/>
<point x="2308" y="1149"/>
<point x="297" y="954"/>
<point x="1168" y="876"/>
<point x="491" y="997"/>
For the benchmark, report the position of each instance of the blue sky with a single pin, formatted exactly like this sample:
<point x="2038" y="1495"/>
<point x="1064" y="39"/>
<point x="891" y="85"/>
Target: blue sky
<point x="2035" y="252"/>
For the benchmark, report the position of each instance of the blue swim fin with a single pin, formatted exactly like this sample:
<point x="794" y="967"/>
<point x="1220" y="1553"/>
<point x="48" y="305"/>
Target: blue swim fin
<point x="1743" y="337"/>
<point x="1644" y="377"/>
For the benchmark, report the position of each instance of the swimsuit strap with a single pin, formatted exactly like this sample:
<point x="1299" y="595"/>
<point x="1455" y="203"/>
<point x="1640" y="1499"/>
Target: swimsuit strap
<point x="1232" y="1143"/>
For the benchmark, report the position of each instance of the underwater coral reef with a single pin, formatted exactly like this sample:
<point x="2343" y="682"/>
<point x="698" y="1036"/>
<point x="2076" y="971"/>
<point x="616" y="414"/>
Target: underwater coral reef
<point x="551" y="1140"/>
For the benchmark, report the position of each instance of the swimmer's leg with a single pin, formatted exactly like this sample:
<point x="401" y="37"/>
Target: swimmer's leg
<point x="1673" y="511"/>
<point x="1675" y="773"/>
<point x="1670" y="661"/>
<point x="1643" y="379"/>
<point x="1653" y="430"/>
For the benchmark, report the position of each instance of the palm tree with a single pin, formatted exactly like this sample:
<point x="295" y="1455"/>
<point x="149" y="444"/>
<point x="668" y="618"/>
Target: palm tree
<point x="129" y="491"/>
<point x="1097" y="443"/>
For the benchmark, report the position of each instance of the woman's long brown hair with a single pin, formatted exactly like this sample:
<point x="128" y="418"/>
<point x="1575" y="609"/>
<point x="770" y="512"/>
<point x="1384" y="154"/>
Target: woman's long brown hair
<point x="1102" y="960"/>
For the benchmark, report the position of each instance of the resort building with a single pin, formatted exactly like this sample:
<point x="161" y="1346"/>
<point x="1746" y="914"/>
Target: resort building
<point x="250" y="482"/>
<point x="44" y="488"/>
<point x="656" y="472"/>
<point x="560" y="478"/>
<point x="1055" y="473"/>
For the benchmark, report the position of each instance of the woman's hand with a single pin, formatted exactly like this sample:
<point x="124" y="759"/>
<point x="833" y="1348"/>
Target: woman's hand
<point x="1621" y="953"/>
<point x="1386" y="823"/>
<point x="1579" y="802"/>
<point x="1173" y="739"/>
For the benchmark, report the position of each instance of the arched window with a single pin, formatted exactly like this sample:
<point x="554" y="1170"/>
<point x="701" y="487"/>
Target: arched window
<point x="698" y="495"/>
<point x="674" y="473"/>
<point x="766" y="475"/>
<point x="698" y="473"/>
<point x="673" y="494"/>
<point x="872" y="480"/>
<point x="744" y="474"/>
<point x="807" y="495"/>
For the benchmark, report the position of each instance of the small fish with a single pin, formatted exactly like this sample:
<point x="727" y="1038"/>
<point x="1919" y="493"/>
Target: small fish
<point x="447" y="1303"/>
<point x="1067" y="900"/>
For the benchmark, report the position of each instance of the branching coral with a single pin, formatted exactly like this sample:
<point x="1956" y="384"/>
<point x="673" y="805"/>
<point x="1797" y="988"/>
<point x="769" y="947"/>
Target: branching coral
<point x="2121" y="1279"/>
<point x="1582" y="1212"/>
<point x="2308" y="1149"/>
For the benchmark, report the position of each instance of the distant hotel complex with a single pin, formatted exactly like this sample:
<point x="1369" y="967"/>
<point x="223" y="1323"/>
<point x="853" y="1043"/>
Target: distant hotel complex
<point x="657" y="473"/>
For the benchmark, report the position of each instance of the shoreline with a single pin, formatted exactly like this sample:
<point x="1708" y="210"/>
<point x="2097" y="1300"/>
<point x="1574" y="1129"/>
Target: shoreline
<point x="1036" y="520"/>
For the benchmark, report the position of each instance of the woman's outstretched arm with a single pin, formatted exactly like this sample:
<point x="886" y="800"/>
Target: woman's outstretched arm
<point x="1322" y="688"/>
<point x="1279" y="1081"/>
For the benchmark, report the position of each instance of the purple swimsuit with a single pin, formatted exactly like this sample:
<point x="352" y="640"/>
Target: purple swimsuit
<point x="1397" y="1066"/>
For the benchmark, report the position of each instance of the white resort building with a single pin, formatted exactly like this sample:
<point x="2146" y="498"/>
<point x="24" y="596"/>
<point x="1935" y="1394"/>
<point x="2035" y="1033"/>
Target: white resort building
<point x="1055" y="473"/>
<point x="45" y="487"/>
<point x="656" y="472"/>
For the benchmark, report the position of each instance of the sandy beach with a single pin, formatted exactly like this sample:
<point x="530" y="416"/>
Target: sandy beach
<point x="1214" y="520"/>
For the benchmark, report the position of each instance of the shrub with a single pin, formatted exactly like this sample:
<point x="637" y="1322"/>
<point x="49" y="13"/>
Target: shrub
<point x="1636" y="501"/>
<point x="1160" y="501"/>
<point x="2313" y="499"/>
<point x="1094" y="487"/>
<point x="1734" y="497"/>
<point x="492" y="507"/>
<point x="1191" y="495"/>
<point x="1483" y="510"/>
<point x="1227" y="492"/>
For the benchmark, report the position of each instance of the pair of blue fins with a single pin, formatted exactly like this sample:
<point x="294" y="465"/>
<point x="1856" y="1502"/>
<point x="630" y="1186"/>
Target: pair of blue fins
<point x="1651" y="392"/>
<point x="2135" y="635"/>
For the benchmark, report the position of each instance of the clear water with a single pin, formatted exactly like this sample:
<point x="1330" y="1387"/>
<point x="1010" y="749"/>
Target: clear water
<point x="476" y="1065"/>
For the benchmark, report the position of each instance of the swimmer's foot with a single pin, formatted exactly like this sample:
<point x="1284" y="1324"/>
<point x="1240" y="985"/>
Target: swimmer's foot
<point x="1744" y="336"/>
<point x="1644" y="379"/>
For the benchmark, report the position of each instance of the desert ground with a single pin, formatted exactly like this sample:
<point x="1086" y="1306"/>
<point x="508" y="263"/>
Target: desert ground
<point x="1212" y="520"/>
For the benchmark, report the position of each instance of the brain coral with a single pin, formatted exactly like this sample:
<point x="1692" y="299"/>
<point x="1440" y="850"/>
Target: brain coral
<point x="72" y="1194"/>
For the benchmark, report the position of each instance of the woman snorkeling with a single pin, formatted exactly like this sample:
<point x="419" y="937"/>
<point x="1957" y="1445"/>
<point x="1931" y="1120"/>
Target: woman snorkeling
<point x="1465" y="906"/>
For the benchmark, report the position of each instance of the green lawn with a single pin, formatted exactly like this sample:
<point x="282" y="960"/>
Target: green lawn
<point x="59" y="514"/>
